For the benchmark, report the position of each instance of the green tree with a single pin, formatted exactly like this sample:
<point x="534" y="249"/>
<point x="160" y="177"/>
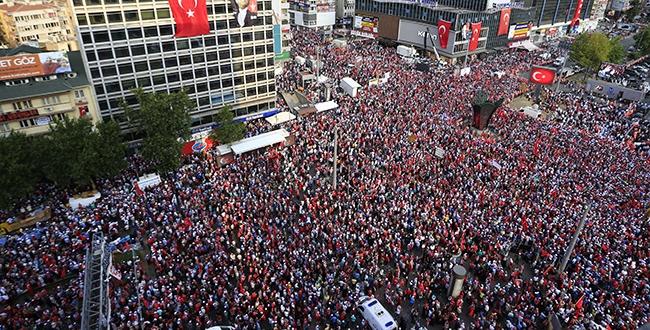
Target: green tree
<point x="616" y="51"/>
<point x="643" y="41"/>
<point x="635" y="9"/>
<point x="19" y="173"/>
<point x="111" y="150"/>
<point x="164" y="119"/>
<point x="590" y="50"/>
<point x="228" y="130"/>
<point x="70" y="154"/>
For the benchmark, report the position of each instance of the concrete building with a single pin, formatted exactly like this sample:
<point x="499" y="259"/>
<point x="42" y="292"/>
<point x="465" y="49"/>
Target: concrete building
<point x="314" y="14"/>
<point x="35" y="89"/>
<point x="344" y="8"/>
<point x="129" y="44"/>
<point x="281" y="30"/>
<point x="46" y="25"/>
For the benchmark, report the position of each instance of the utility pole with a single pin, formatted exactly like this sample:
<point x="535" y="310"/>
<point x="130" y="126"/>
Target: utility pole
<point x="572" y="245"/>
<point x="336" y="160"/>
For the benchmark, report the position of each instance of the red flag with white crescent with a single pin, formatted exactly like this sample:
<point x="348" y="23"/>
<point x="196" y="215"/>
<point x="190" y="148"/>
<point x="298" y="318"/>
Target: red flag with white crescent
<point x="191" y="17"/>
<point x="476" y="32"/>
<point x="504" y="21"/>
<point x="443" y="32"/>
<point x="542" y="76"/>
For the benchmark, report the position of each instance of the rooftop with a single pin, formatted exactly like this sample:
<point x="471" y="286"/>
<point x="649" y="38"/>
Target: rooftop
<point x="18" y="7"/>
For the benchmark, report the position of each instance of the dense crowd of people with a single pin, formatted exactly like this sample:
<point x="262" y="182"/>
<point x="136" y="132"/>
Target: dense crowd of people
<point x="267" y="243"/>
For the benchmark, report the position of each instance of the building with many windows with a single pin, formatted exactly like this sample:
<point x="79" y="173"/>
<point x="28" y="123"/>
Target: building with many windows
<point x="37" y="87"/>
<point x="46" y="25"/>
<point x="317" y="14"/>
<point x="529" y="19"/>
<point x="130" y="44"/>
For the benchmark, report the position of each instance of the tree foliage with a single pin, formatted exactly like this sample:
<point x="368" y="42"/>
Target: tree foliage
<point x="110" y="159"/>
<point x="164" y="119"/>
<point x="228" y="130"/>
<point x="616" y="51"/>
<point x="19" y="173"/>
<point x="590" y="50"/>
<point x="635" y="9"/>
<point x="643" y="41"/>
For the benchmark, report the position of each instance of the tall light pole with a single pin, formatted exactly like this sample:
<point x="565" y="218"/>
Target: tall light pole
<point x="572" y="245"/>
<point x="336" y="137"/>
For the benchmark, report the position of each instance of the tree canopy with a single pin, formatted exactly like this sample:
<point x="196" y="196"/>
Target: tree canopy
<point x="643" y="41"/>
<point x="165" y="121"/>
<point x="590" y="50"/>
<point x="635" y="9"/>
<point x="228" y="130"/>
<point x="20" y="173"/>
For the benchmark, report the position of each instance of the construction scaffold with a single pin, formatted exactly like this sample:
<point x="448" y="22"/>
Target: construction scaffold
<point x="96" y="313"/>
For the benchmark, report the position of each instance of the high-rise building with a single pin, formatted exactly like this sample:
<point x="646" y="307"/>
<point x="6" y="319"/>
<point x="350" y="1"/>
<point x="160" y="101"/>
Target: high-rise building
<point x="319" y="14"/>
<point x="344" y="9"/>
<point x="37" y="87"/>
<point x="130" y="43"/>
<point x="46" y="25"/>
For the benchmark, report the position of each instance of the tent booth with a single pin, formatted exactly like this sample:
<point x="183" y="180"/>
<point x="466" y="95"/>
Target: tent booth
<point x="325" y="106"/>
<point x="254" y="143"/>
<point x="350" y="86"/>
<point x="280" y="118"/>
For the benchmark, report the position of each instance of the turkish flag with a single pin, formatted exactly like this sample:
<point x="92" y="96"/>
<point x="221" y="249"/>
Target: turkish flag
<point x="191" y="17"/>
<point x="542" y="76"/>
<point x="476" y="32"/>
<point x="443" y="32"/>
<point x="504" y="21"/>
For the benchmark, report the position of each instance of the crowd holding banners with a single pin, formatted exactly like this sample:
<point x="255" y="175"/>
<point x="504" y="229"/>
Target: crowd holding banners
<point x="264" y="242"/>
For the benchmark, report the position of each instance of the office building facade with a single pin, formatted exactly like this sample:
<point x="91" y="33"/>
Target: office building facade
<point x="38" y="87"/>
<point x="315" y="14"/>
<point x="130" y="44"/>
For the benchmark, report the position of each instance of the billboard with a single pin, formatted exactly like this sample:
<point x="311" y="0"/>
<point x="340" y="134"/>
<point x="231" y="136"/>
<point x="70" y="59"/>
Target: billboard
<point x="415" y="33"/>
<point x="519" y="31"/>
<point x="245" y="11"/>
<point x="365" y="26"/>
<point x="33" y="65"/>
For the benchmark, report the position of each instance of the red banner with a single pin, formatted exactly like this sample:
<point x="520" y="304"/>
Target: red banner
<point x="191" y="17"/>
<point x="576" y="14"/>
<point x="504" y="21"/>
<point x="541" y="75"/>
<point x="476" y="32"/>
<point x="443" y="32"/>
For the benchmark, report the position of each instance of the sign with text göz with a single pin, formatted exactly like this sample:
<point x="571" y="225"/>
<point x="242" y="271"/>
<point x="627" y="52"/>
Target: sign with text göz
<point x="13" y="116"/>
<point x="33" y="65"/>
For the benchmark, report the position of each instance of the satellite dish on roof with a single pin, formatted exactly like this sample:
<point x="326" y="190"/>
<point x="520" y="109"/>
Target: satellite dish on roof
<point x="71" y="75"/>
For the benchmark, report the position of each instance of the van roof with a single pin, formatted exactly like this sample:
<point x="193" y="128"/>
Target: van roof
<point x="378" y="311"/>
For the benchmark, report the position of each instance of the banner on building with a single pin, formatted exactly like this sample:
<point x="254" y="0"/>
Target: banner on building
<point x="504" y="21"/>
<point x="576" y="14"/>
<point x="33" y="65"/>
<point x="443" y="32"/>
<point x="365" y="26"/>
<point x="191" y="17"/>
<point x="476" y="33"/>
<point x="245" y="12"/>
<point x="519" y="31"/>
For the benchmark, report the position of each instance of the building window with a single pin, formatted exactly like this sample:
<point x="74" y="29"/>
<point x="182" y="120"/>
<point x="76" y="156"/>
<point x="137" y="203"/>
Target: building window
<point x="50" y="100"/>
<point x="79" y="94"/>
<point x="151" y="31"/>
<point x="147" y="14"/>
<point x="137" y="50"/>
<point x="81" y="18"/>
<point x="141" y="66"/>
<point x="125" y="68"/>
<point x="104" y="54"/>
<point x="97" y="18"/>
<point x="156" y="64"/>
<point x="101" y="36"/>
<point x="109" y="71"/>
<point x="163" y="13"/>
<point x="21" y="105"/>
<point x="118" y="35"/>
<point x="114" y="17"/>
<point x="27" y="123"/>
<point x="131" y="16"/>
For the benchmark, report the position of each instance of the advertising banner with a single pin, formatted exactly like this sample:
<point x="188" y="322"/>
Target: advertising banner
<point x="367" y="27"/>
<point x="519" y="31"/>
<point x="33" y="65"/>
<point x="245" y="12"/>
<point x="277" y="39"/>
<point x="422" y="35"/>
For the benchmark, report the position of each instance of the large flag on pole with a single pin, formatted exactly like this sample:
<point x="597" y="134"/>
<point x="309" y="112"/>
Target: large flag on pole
<point x="504" y="21"/>
<point x="443" y="32"/>
<point x="476" y="32"/>
<point x="191" y="17"/>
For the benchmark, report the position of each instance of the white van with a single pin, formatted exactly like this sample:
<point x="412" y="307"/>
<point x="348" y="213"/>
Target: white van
<point x="377" y="316"/>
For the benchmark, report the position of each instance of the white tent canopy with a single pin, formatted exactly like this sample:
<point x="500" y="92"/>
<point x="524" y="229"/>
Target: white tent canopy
<point x="280" y="118"/>
<point x="325" y="106"/>
<point x="259" y="141"/>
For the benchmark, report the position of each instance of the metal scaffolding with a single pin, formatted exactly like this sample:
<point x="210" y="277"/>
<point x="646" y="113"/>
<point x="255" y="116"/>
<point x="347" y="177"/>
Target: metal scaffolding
<point x="96" y="304"/>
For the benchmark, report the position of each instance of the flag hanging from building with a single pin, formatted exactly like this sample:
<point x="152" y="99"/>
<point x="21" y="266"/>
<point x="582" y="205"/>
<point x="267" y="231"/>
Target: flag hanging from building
<point x="443" y="32"/>
<point x="576" y="14"/>
<point x="476" y="33"/>
<point x="542" y="75"/>
<point x="504" y="21"/>
<point x="191" y="17"/>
